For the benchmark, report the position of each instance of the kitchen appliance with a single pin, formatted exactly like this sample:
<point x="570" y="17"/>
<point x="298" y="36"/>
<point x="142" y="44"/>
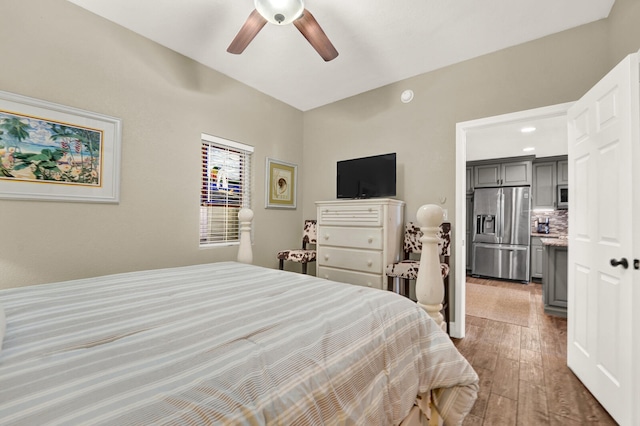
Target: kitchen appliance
<point x="502" y="231"/>
<point x="563" y="197"/>
<point x="542" y="225"/>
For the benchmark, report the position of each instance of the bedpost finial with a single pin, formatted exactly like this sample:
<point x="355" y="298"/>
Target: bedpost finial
<point x="430" y="216"/>
<point x="245" y="215"/>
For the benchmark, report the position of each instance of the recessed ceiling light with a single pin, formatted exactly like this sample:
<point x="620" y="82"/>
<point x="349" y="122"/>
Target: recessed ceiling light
<point x="528" y="129"/>
<point x="529" y="148"/>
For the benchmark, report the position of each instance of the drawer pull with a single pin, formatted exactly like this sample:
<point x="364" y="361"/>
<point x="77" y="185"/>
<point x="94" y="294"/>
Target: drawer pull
<point x="370" y="240"/>
<point x="369" y="262"/>
<point x="326" y="237"/>
<point x="326" y="257"/>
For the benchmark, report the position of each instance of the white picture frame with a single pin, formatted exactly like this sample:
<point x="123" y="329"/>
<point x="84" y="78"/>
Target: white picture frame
<point x="52" y="152"/>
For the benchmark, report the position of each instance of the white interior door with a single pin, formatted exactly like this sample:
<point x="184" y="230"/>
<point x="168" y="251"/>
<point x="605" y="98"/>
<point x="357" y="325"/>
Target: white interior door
<point x="602" y="135"/>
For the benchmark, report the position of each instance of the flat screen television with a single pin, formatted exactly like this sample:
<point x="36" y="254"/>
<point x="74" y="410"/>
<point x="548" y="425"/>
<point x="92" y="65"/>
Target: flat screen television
<point x="367" y="177"/>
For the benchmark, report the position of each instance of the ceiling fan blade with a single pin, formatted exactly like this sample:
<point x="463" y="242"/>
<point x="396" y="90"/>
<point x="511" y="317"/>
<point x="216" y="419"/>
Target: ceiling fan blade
<point x="311" y="30"/>
<point x="251" y="27"/>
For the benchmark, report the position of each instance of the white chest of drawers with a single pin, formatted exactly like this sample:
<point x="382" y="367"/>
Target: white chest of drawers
<point x="357" y="239"/>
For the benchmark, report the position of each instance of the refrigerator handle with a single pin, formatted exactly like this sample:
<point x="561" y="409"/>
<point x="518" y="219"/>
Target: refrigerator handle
<point x="499" y="218"/>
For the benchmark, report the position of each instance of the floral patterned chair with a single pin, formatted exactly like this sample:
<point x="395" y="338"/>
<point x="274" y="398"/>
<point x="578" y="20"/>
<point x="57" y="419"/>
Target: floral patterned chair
<point x="304" y="255"/>
<point x="407" y="269"/>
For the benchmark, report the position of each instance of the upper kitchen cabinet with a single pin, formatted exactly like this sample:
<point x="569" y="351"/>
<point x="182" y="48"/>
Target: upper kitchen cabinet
<point x="512" y="173"/>
<point x="548" y="173"/>
<point x="563" y="172"/>
<point x="469" y="180"/>
<point x="543" y="191"/>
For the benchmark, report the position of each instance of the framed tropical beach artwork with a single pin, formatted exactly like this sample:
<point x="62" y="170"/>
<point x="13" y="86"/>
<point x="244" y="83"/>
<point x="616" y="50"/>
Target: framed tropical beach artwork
<point x="281" y="181"/>
<point x="53" y="152"/>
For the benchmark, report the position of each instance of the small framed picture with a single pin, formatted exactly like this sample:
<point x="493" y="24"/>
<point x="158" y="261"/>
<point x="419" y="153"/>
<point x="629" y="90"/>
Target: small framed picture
<point x="281" y="181"/>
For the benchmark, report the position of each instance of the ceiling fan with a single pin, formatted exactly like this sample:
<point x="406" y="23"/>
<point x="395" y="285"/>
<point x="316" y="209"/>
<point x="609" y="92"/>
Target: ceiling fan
<point x="282" y="12"/>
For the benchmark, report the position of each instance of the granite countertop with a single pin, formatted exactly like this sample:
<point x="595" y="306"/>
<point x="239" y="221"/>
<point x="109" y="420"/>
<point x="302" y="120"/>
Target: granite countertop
<point x="549" y="235"/>
<point x="560" y="241"/>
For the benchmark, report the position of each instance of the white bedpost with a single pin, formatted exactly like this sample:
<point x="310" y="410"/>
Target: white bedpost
<point x="429" y="284"/>
<point x="245" y="255"/>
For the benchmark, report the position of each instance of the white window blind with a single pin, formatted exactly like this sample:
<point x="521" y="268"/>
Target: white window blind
<point x="226" y="188"/>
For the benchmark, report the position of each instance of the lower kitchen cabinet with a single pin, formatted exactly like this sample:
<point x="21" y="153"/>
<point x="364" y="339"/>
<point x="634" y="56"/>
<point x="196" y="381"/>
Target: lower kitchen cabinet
<point x="469" y="232"/>
<point x="554" y="280"/>
<point x="536" y="258"/>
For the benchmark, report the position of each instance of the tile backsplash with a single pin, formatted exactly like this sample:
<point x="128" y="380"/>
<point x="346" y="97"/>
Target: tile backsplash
<point x="558" y="221"/>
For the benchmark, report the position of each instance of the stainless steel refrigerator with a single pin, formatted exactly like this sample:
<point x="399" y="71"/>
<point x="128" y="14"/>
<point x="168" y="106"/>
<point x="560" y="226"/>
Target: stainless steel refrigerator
<point x="502" y="231"/>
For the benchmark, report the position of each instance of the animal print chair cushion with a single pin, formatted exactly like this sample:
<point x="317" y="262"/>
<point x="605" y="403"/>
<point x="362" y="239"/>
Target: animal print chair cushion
<point x="412" y="235"/>
<point x="444" y="270"/>
<point x="408" y="269"/>
<point x="310" y="233"/>
<point x="300" y="256"/>
<point x="303" y="255"/>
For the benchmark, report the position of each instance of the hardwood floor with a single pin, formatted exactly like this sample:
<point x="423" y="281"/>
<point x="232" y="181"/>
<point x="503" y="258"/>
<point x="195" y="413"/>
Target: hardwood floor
<point x="524" y="378"/>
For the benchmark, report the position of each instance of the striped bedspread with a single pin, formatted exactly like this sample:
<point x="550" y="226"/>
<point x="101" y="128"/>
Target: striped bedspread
<point x="222" y="343"/>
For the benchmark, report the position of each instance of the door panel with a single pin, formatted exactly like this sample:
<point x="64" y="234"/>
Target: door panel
<point x="600" y="325"/>
<point x="485" y="215"/>
<point x="609" y="226"/>
<point x="521" y="231"/>
<point x="501" y="261"/>
<point x="578" y="312"/>
<point x="608" y="295"/>
<point x="580" y="198"/>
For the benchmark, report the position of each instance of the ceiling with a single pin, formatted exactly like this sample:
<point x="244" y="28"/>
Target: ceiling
<point x="507" y="140"/>
<point x="379" y="41"/>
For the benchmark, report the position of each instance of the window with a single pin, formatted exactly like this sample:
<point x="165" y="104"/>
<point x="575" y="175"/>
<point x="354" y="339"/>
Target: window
<point x="225" y="189"/>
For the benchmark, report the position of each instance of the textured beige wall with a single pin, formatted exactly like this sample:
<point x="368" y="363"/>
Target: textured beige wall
<point x="624" y="30"/>
<point x="548" y="71"/>
<point x="56" y="51"/>
<point x="552" y="70"/>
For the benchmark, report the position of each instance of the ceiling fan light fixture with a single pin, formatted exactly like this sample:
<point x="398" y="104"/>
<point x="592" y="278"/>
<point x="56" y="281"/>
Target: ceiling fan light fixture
<point x="280" y="12"/>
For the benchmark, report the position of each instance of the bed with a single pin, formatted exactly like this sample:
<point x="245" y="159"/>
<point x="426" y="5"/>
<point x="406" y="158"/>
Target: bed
<point x="224" y="343"/>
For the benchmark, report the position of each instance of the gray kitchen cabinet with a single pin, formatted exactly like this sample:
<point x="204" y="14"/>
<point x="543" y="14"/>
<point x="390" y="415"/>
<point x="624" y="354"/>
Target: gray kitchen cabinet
<point x="548" y="173"/>
<point x="513" y="173"/>
<point x="486" y="175"/>
<point x="554" y="280"/>
<point x="469" y="232"/>
<point x="536" y="258"/>
<point x="563" y="172"/>
<point x="543" y="190"/>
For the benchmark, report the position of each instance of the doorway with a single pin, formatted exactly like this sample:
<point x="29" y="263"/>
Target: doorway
<point x="464" y="133"/>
